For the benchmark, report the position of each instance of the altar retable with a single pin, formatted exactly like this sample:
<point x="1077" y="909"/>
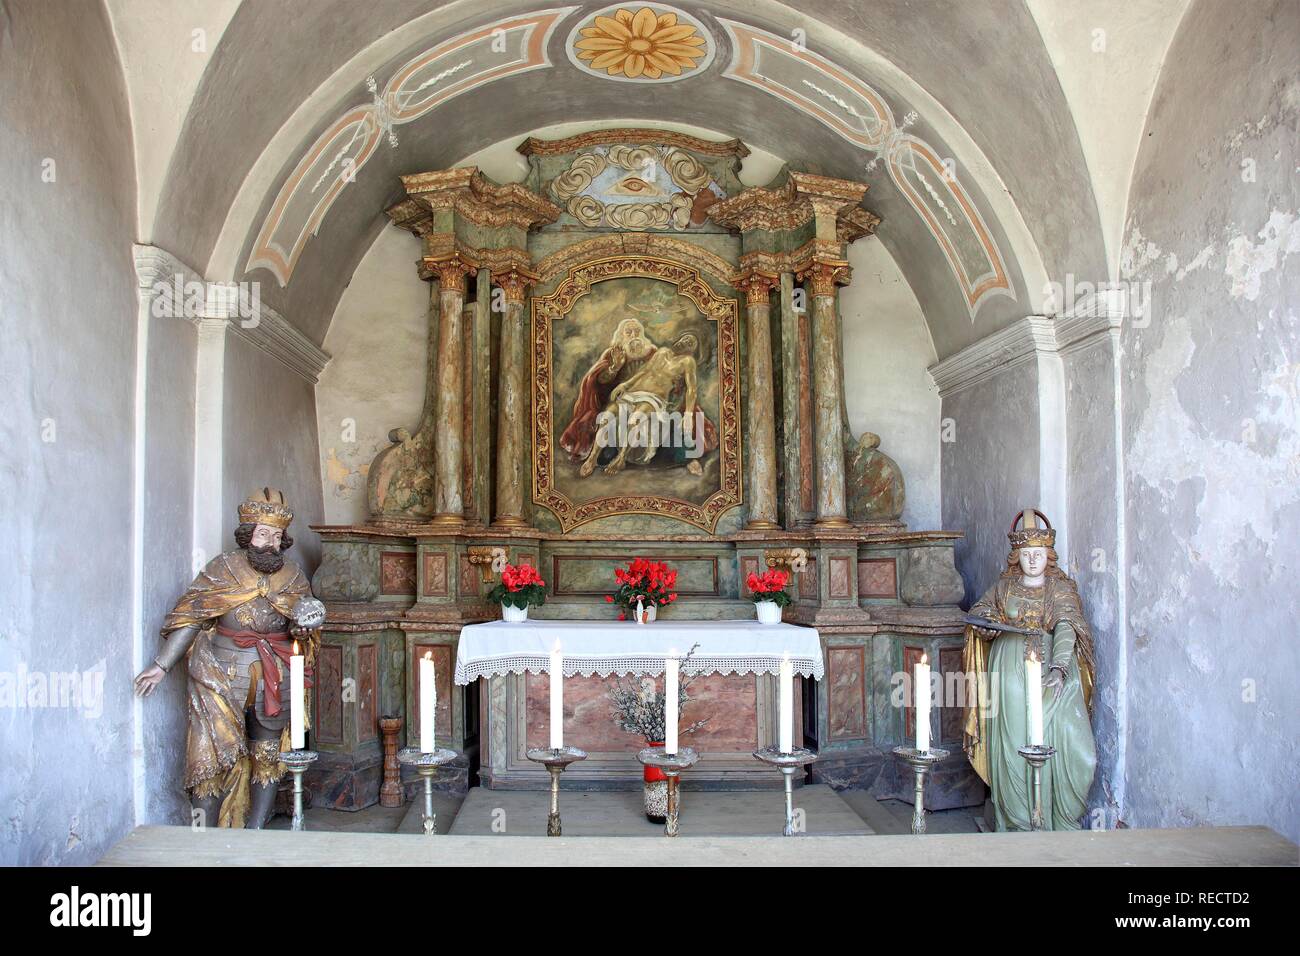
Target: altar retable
<point x="580" y="291"/>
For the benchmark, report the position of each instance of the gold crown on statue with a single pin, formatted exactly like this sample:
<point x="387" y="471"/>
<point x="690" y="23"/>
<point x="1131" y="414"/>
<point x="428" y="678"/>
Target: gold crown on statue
<point x="1031" y="533"/>
<point x="266" y="506"/>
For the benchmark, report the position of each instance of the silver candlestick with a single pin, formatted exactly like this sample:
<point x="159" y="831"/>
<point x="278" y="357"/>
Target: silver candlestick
<point x="787" y="764"/>
<point x="1037" y="756"/>
<point x="671" y="765"/>
<point x="920" y="761"/>
<point x="297" y="761"/>
<point x="555" y="759"/>
<point x="426" y="765"/>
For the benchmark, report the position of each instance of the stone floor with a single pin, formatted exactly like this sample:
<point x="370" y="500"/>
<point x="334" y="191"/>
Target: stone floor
<point x="826" y="812"/>
<point x="1204" y="846"/>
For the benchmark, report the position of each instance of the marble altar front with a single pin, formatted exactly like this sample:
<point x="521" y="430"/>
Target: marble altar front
<point x="632" y="268"/>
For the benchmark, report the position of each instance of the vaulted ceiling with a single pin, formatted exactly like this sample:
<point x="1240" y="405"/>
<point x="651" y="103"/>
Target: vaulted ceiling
<point x="955" y="114"/>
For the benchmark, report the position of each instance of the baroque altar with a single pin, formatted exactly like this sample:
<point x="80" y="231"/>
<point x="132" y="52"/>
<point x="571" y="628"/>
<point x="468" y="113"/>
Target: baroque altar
<point x="630" y="278"/>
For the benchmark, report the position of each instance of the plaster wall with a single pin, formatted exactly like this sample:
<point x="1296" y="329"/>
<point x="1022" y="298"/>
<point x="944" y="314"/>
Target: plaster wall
<point x="163" y="38"/>
<point x="989" y="454"/>
<point x="887" y="351"/>
<point x="269" y="427"/>
<point x="375" y="382"/>
<point x="67" y="344"/>
<point x="167" y="520"/>
<point x="1096" y="559"/>
<point x="1106" y="55"/>
<point x="1211" y="444"/>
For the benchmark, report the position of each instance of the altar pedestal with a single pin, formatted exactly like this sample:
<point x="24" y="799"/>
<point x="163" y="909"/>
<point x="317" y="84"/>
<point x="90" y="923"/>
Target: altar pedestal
<point x="734" y="686"/>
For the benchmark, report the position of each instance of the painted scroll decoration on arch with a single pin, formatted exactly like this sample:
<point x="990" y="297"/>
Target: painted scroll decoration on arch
<point x="857" y="113"/>
<point x="459" y="65"/>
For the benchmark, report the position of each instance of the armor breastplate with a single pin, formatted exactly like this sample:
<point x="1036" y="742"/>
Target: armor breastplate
<point x="257" y="615"/>
<point x="238" y="662"/>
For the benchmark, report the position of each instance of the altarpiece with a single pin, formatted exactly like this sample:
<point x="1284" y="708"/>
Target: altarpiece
<point x="633" y="273"/>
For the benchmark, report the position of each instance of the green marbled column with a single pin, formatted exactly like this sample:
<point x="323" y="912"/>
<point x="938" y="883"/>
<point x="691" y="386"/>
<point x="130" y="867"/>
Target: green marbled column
<point x="449" y="418"/>
<point x="511" y="408"/>
<point x="762" y="413"/>
<point x="828" y="388"/>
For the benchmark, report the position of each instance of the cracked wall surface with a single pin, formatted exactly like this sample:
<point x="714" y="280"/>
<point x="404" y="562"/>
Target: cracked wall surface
<point x="1212" y="450"/>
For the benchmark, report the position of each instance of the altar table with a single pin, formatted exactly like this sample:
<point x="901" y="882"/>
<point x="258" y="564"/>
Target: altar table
<point x="733" y="687"/>
<point x="603" y="648"/>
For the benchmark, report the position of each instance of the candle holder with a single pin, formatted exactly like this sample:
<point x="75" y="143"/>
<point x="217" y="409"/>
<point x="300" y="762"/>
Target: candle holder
<point x="1036" y="755"/>
<point x="297" y="761"/>
<point x="672" y="765"/>
<point x="920" y="761"/>
<point x="787" y="764"/>
<point x="555" y="760"/>
<point x="426" y="765"/>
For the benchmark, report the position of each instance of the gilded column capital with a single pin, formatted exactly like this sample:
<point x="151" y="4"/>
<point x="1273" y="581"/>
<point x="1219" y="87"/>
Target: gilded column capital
<point x="515" y="283"/>
<point x="450" y="272"/>
<point x="823" y="275"/>
<point x="758" y="286"/>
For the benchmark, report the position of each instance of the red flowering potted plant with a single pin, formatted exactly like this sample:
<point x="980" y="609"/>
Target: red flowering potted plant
<point x="769" y="594"/>
<point x="520" y="587"/>
<point x="643" y="586"/>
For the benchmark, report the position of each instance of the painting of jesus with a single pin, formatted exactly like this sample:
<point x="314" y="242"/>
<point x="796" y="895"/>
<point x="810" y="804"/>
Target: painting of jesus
<point x="636" y="392"/>
<point x="636" y="396"/>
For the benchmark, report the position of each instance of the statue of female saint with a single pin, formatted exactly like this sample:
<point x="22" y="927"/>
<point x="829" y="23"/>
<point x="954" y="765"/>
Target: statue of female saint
<point x="1032" y="594"/>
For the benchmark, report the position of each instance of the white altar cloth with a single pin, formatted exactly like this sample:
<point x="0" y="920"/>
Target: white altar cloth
<point x="625" y="647"/>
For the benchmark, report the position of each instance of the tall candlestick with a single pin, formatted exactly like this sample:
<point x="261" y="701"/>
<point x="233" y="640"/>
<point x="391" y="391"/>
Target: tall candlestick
<point x="923" y="704"/>
<point x="428" y="703"/>
<point x="1034" y="695"/>
<point x="297" y="700"/>
<point x="671" y="666"/>
<point x="786" y="681"/>
<point x="557" y="698"/>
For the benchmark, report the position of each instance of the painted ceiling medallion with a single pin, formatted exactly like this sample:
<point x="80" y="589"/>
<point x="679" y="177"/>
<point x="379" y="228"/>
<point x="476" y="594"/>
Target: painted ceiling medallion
<point x="640" y="44"/>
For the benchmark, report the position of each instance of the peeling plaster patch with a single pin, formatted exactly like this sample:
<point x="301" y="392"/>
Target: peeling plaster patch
<point x="1202" y="258"/>
<point x="1247" y="262"/>
<point x="1138" y="253"/>
<point x="346" y="477"/>
<point x="1240" y="490"/>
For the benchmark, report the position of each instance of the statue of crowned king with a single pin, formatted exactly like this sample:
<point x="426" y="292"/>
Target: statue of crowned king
<point x="235" y="627"/>
<point x="1034" y="596"/>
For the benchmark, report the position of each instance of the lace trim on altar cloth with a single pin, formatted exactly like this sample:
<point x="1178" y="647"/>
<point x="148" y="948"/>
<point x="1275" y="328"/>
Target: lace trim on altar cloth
<point x="625" y="666"/>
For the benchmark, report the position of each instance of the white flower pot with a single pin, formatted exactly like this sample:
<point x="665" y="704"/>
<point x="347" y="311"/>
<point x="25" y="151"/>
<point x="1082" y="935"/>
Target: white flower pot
<point x="769" y="612"/>
<point x="647" y="614"/>
<point x="514" y="615"/>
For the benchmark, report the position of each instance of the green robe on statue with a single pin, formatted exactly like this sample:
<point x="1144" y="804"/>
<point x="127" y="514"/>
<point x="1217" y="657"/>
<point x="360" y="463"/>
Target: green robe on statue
<point x="999" y="723"/>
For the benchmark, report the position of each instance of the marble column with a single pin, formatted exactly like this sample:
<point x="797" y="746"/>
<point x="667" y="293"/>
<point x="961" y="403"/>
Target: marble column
<point x="828" y="388"/>
<point x="512" y="405"/>
<point x="449" y="418"/>
<point x="762" y="412"/>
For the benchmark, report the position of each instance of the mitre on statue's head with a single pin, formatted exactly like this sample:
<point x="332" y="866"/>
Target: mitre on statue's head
<point x="266" y="506"/>
<point x="1032" y="534"/>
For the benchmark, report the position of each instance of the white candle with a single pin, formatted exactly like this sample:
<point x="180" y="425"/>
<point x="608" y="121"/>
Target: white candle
<point x="557" y="698"/>
<point x="297" y="700"/>
<point x="1034" y="695"/>
<point x="786" y="681"/>
<point x="428" y="702"/>
<point x="671" y="666"/>
<point x="923" y="704"/>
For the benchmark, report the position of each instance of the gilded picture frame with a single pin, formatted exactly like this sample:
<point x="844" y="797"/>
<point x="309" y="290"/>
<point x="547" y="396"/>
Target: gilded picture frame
<point x="704" y="495"/>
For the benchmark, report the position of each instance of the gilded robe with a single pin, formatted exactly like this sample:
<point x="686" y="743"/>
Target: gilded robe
<point x="997" y="726"/>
